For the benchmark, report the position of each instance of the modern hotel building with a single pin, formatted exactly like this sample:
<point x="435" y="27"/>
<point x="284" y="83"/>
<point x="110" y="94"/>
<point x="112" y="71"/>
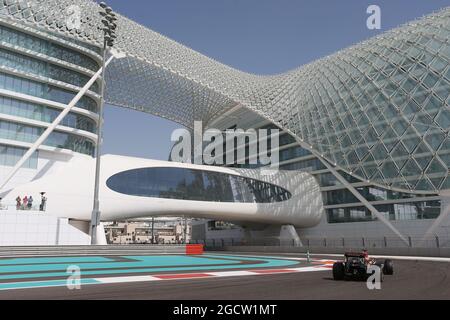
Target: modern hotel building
<point x="364" y="148"/>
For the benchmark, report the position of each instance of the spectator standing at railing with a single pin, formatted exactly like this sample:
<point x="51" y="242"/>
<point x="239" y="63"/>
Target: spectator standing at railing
<point x="43" y="201"/>
<point x="18" y="202"/>
<point x="25" y="202"/>
<point x="30" y="202"/>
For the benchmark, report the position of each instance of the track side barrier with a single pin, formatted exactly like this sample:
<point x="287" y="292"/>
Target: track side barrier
<point x="419" y="252"/>
<point x="103" y="250"/>
<point x="193" y="249"/>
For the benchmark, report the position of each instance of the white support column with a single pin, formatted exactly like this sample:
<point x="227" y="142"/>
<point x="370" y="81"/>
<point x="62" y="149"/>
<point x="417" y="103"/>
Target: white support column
<point x="289" y="236"/>
<point x="101" y="236"/>
<point x="54" y="124"/>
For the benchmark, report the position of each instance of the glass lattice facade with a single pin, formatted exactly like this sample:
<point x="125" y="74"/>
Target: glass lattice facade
<point x="340" y="204"/>
<point x="384" y="109"/>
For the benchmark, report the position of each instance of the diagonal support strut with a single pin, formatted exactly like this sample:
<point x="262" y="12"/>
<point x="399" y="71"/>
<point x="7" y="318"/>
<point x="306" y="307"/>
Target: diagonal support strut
<point x="366" y="203"/>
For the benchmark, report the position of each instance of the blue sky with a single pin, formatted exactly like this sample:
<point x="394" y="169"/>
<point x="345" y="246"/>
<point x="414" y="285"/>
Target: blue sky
<point x="258" y="36"/>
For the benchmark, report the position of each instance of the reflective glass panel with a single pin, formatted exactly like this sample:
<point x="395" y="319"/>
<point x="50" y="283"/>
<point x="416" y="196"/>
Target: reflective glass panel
<point x="195" y="185"/>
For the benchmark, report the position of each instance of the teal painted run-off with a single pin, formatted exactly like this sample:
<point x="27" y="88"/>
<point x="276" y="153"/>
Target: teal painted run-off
<point x="38" y="268"/>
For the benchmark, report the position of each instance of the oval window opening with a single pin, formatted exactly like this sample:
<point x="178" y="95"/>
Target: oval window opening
<point x="195" y="185"/>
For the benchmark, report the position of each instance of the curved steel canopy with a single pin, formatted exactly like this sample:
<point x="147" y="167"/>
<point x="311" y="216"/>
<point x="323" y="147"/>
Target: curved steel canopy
<point x="379" y="109"/>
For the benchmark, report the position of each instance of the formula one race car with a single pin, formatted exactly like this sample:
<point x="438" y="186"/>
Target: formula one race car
<point x="355" y="266"/>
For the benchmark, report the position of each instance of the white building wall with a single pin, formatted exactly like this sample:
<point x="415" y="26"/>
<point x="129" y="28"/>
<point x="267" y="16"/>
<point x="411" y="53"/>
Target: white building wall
<point x="26" y="228"/>
<point x="48" y="162"/>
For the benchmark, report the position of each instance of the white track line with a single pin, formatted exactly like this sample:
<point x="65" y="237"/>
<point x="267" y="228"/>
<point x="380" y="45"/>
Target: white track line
<point x="112" y="280"/>
<point x="230" y="273"/>
<point x="209" y="275"/>
<point x="180" y="276"/>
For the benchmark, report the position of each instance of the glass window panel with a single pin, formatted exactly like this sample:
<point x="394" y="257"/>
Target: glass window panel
<point x="397" y="211"/>
<point x="10" y="155"/>
<point x="411" y="169"/>
<point x="13" y="131"/>
<point x="327" y="180"/>
<point x="45" y="91"/>
<point x="389" y="170"/>
<point x="435" y="139"/>
<point x="195" y="185"/>
<point x="50" y="48"/>
<point x="45" y="114"/>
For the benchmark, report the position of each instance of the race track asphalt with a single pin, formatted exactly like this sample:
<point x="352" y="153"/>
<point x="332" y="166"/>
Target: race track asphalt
<point x="411" y="280"/>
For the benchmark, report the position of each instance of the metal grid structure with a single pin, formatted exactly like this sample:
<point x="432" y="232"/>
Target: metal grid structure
<point x="378" y="110"/>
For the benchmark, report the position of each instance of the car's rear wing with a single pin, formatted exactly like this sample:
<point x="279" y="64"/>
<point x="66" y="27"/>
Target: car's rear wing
<point x="354" y="254"/>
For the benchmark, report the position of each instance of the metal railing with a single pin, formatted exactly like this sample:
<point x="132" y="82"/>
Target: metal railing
<point x="335" y="242"/>
<point x="22" y="207"/>
<point x="73" y="250"/>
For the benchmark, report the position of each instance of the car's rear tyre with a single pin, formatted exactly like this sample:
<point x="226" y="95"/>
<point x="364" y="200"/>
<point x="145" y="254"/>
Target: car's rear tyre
<point x="338" y="271"/>
<point x="388" y="268"/>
